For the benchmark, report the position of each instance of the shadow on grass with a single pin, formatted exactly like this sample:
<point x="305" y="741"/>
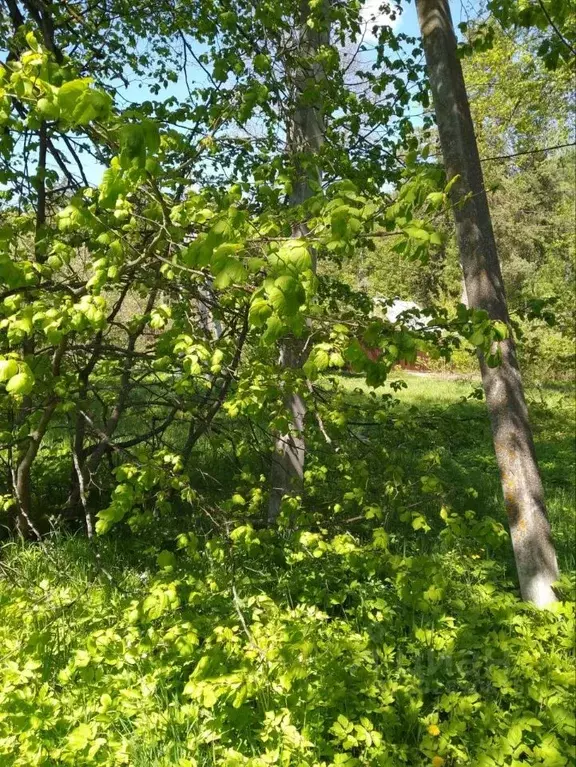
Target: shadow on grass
<point x="444" y="419"/>
<point x="394" y="654"/>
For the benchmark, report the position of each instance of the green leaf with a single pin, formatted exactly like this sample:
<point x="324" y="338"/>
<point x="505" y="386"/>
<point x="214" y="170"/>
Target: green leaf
<point x="231" y="271"/>
<point x="417" y="233"/>
<point x="501" y="330"/>
<point x="477" y="338"/>
<point x="318" y="360"/>
<point x="112" y="186"/>
<point x="92" y="105"/>
<point x="166" y="559"/>
<point x="132" y="146"/>
<point x="32" y="42"/>
<point x="436" y="198"/>
<point x="261" y="63"/>
<point x="259" y="312"/>
<point x="80" y="737"/>
<point x="275" y="328"/>
<point x="48" y="109"/>
<point x="286" y="295"/>
<point x="20" y="384"/>
<point x="293" y="256"/>
<point x="69" y="96"/>
<point x="380" y="539"/>
<point x="8" y="369"/>
<point x="151" y="135"/>
<point x="494" y="360"/>
<point x="450" y="184"/>
<point x="108" y="517"/>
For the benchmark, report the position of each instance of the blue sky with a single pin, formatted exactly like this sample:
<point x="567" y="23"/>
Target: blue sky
<point x="138" y="92"/>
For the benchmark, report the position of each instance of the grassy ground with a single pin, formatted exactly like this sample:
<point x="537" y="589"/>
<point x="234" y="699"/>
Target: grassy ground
<point x="423" y="388"/>
<point x="452" y="419"/>
<point x="237" y="651"/>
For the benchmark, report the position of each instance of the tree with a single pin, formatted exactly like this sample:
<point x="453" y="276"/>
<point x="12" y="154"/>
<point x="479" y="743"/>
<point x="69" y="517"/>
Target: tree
<point x="513" y="442"/>
<point x="305" y="137"/>
<point x="196" y="208"/>
<point x="556" y="20"/>
<point x="509" y="119"/>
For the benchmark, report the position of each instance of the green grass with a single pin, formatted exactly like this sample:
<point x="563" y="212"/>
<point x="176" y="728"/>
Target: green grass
<point x="451" y="419"/>
<point x="422" y="630"/>
<point x="422" y="389"/>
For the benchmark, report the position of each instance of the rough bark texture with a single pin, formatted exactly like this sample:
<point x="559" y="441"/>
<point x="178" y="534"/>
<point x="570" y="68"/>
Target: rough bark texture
<point x="305" y="138"/>
<point x="290" y="449"/>
<point x="513" y="443"/>
<point x="41" y="192"/>
<point x="21" y="471"/>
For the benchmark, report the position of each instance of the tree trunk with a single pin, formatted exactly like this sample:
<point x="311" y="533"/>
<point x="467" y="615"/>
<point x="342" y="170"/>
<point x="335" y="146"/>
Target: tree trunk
<point x="211" y="326"/>
<point x="464" y="294"/>
<point x="513" y="443"/>
<point x="305" y="133"/>
<point x="21" y="470"/>
<point x="287" y="472"/>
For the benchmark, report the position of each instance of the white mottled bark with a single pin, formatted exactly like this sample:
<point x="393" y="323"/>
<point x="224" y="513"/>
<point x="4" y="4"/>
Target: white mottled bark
<point x="513" y="443"/>
<point x="212" y="327"/>
<point x="305" y="133"/>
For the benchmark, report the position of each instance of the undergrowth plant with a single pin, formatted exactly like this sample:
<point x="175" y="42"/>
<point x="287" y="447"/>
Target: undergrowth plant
<point x="389" y="633"/>
<point x="303" y="648"/>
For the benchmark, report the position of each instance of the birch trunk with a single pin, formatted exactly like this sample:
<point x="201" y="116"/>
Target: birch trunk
<point x="305" y="138"/>
<point x="211" y="326"/>
<point x="513" y="443"/>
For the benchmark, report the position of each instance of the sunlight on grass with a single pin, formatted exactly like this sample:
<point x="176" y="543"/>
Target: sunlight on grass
<point x="465" y="434"/>
<point x="422" y="388"/>
<point x="182" y="650"/>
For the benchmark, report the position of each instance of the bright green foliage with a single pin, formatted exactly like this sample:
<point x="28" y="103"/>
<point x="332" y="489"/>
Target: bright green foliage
<point x="127" y="282"/>
<point x="553" y="18"/>
<point x="335" y="651"/>
<point x="390" y="640"/>
<point x="144" y="294"/>
<point x="531" y="201"/>
<point x="508" y="120"/>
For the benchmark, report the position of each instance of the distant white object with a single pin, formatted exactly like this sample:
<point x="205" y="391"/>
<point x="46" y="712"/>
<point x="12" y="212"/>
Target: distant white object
<point x="393" y="309"/>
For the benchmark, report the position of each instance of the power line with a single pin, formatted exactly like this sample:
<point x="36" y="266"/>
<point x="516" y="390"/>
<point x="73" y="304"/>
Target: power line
<point x="527" y="151"/>
<point x="504" y="156"/>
